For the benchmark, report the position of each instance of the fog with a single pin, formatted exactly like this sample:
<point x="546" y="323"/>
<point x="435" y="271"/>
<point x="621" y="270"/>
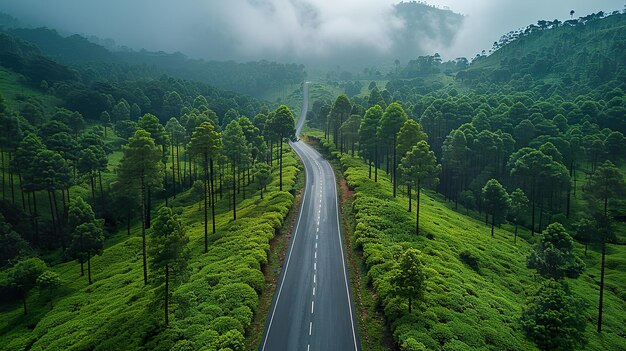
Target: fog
<point x="283" y="30"/>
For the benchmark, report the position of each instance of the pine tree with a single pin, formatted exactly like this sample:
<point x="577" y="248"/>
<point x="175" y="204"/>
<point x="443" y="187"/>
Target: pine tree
<point x="168" y="252"/>
<point x="205" y="145"/>
<point x="141" y="168"/>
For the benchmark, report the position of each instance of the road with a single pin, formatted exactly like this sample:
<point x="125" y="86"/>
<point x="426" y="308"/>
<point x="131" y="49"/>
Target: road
<point x="312" y="308"/>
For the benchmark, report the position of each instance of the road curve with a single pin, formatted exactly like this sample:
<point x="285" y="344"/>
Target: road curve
<point x="312" y="308"/>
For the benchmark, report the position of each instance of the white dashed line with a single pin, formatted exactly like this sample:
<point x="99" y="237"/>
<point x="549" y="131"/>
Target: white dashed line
<point x="310" y="327"/>
<point x="314" y="266"/>
<point x="312" y="305"/>
<point x="313" y="291"/>
<point x="313" y="278"/>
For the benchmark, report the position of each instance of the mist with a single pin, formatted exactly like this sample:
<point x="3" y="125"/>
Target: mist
<point x="346" y="31"/>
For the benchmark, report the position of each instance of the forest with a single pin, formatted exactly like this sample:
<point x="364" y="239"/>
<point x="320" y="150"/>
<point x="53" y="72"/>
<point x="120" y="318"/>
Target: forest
<point x="150" y="200"/>
<point x="537" y="156"/>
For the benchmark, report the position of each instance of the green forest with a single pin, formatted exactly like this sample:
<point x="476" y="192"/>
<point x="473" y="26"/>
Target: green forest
<point x="501" y="182"/>
<point x="149" y="199"/>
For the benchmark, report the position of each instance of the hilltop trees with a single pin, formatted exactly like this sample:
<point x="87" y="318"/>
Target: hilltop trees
<point x="139" y="169"/>
<point x="409" y="281"/>
<point x="368" y="137"/>
<point x="605" y="185"/>
<point x="87" y="234"/>
<point x="168" y="252"/>
<point x="263" y="175"/>
<point x="48" y="282"/>
<point x="205" y="144"/>
<point x="553" y="255"/>
<point x="420" y="165"/>
<point x="281" y="126"/>
<point x="392" y="120"/>
<point x="497" y="202"/>
<point x="554" y="318"/>
<point x="236" y="149"/>
<point x="22" y="277"/>
<point x="519" y="207"/>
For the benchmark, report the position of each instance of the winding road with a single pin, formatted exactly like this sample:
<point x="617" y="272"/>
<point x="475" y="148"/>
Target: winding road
<point x="312" y="308"/>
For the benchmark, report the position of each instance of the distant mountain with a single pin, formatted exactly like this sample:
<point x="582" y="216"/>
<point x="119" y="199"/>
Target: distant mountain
<point x="423" y="25"/>
<point x="252" y="78"/>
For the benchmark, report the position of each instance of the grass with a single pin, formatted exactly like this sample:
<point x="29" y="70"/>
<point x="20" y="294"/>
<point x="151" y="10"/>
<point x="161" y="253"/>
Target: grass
<point x="212" y="309"/>
<point x="16" y="92"/>
<point x="470" y="304"/>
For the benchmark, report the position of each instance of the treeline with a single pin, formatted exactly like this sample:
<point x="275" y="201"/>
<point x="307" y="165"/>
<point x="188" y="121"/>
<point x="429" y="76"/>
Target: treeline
<point x="97" y="62"/>
<point x="580" y="54"/>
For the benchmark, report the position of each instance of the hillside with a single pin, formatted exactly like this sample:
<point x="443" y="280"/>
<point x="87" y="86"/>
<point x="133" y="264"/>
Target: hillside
<point x="252" y="78"/>
<point x="476" y="284"/>
<point x="66" y="146"/>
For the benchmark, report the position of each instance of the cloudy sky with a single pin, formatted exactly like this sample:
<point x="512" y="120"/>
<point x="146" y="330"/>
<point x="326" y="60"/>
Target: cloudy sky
<point x="278" y="29"/>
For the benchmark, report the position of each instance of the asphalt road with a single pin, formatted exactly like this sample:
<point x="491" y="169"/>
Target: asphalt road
<point x="312" y="308"/>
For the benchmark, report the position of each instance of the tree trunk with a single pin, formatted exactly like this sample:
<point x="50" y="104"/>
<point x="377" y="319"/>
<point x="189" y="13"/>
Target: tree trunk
<point x="213" y="197"/>
<point x="100" y="181"/>
<point x="394" y="177"/>
<point x="148" y="207"/>
<point x="54" y="222"/>
<point x="515" y="234"/>
<point x="82" y="267"/>
<point x="281" y="164"/>
<point x="59" y="223"/>
<point x="167" y="292"/>
<point x="173" y="170"/>
<point x="605" y="235"/>
<point x="19" y="175"/>
<point x="24" y="301"/>
<point x="417" y="221"/>
<point x="93" y="187"/>
<point x="11" y="184"/>
<point x="206" y="196"/>
<point x="493" y="224"/>
<point x="178" y="164"/>
<point x="35" y="219"/>
<point x="600" y="303"/>
<point x="89" y="267"/>
<point x="143" y="231"/>
<point x="235" y="190"/>
<point x="376" y="164"/>
<point x="409" y="193"/>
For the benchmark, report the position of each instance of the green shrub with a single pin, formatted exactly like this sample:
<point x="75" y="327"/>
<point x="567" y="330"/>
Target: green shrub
<point x="470" y="259"/>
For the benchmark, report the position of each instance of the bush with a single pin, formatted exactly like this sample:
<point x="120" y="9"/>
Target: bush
<point x="470" y="259"/>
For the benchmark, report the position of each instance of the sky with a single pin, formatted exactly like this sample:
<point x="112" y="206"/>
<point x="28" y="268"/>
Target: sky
<point x="283" y="29"/>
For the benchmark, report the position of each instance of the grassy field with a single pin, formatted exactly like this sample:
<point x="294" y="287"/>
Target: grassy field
<point x="212" y="309"/>
<point x="466" y="308"/>
<point x="16" y="92"/>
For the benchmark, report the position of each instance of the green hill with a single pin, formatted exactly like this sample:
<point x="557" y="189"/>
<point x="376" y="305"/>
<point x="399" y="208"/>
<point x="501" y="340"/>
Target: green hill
<point x="476" y="284"/>
<point x="64" y="138"/>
